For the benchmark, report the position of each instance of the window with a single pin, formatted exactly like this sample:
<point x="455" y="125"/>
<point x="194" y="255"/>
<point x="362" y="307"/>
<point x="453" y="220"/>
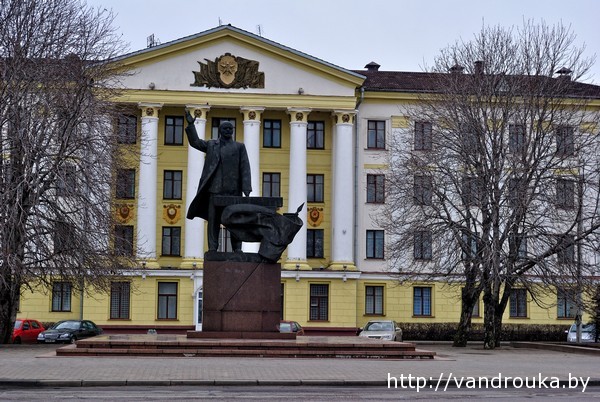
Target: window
<point x="315" y="135"/>
<point x="422" y="136"/>
<point x="469" y="246"/>
<point x="518" y="303"/>
<point x="476" y="312"/>
<point x="61" y="296"/>
<point x="565" y="193"/>
<point x="66" y="180"/>
<point x="314" y="243"/>
<point x="272" y="133"/>
<point x="172" y="185"/>
<point x="566" y="252"/>
<point x="516" y="138"/>
<point x="422" y="245"/>
<point x="167" y="300"/>
<point x="319" y="302"/>
<point x="423" y="190"/>
<point x="376" y="188"/>
<point x="63" y="237"/>
<point x="173" y="130"/>
<point x="516" y="192"/>
<point x="125" y="183"/>
<point x="374" y="300"/>
<point x="421" y="301"/>
<point x="216" y="122"/>
<point x="225" y="241"/>
<point x="119" y="300"/>
<point x="565" y="304"/>
<point x="518" y="245"/>
<point x="565" y="142"/>
<point x="282" y="301"/>
<point x="376" y="134"/>
<point x="126" y="129"/>
<point x="315" y="187"/>
<point x="271" y="184"/>
<point x="375" y="244"/>
<point x="468" y="138"/>
<point x="472" y="189"/>
<point x="171" y="240"/>
<point x="124" y="240"/>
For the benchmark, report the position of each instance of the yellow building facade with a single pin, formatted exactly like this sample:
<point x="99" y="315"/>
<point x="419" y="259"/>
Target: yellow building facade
<point x="305" y="123"/>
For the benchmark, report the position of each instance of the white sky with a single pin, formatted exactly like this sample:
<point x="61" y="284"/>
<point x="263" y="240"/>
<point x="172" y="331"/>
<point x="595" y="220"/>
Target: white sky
<point x="400" y="35"/>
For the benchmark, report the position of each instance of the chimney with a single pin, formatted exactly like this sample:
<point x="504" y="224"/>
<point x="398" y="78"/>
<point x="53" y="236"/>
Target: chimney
<point x="456" y="69"/>
<point x="372" y="66"/>
<point x="478" y="67"/>
<point x="564" y="74"/>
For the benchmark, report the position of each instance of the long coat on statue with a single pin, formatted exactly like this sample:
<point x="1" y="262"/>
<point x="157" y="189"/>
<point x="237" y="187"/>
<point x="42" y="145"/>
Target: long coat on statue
<point x="234" y="166"/>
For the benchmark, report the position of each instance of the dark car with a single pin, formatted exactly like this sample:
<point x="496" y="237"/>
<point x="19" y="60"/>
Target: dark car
<point x="290" y="326"/>
<point x="69" y="331"/>
<point x="26" y="330"/>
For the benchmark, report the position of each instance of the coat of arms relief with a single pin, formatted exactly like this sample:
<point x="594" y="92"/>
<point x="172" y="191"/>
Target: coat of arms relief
<point x="229" y="71"/>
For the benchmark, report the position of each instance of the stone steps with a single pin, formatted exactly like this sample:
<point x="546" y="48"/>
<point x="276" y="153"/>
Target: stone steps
<point x="302" y="347"/>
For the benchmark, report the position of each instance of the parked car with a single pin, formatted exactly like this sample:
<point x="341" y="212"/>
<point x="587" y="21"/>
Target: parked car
<point x="382" y="329"/>
<point x="290" y="326"/>
<point x="69" y="331"/>
<point x="588" y="333"/>
<point x="26" y="330"/>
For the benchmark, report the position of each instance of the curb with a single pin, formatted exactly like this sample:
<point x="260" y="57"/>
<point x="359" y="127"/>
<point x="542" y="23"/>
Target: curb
<point x="443" y="384"/>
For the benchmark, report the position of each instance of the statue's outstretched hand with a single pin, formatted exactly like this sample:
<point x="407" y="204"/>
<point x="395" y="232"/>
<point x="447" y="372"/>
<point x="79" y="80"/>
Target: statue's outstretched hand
<point x="190" y="119"/>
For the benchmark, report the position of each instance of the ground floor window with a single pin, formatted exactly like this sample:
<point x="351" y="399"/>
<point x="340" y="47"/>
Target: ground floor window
<point x="422" y="301"/>
<point x="319" y="302"/>
<point x="119" y="300"/>
<point x="566" y="307"/>
<point x="61" y="296"/>
<point x="374" y="300"/>
<point x="518" y="303"/>
<point x="167" y="300"/>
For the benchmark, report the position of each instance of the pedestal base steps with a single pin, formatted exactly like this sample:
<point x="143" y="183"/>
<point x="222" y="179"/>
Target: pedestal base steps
<point x="301" y="347"/>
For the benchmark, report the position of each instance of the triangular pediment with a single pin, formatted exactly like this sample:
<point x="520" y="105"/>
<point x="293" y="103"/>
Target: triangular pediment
<point x="228" y="59"/>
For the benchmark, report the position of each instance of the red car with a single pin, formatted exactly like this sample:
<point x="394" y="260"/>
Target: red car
<point x="26" y="331"/>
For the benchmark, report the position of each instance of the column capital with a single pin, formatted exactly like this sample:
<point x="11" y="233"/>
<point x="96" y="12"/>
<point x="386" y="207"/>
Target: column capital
<point x="344" y="116"/>
<point x="298" y="115"/>
<point x="252" y="113"/>
<point x="150" y="109"/>
<point x="198" y="111"/>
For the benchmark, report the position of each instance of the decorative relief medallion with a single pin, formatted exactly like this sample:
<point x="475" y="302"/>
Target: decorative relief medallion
<point x="172" y="213"/>
<point x="315" y="216"/>
<point x="345" y="118"/>
<point x="252" y="115"/>
<point x="299" y="116"/>
<point x="124" y="213"/>
<point x="198" y="113"/>
<point x="149" y="111"/>
<point x="228" y="71"/>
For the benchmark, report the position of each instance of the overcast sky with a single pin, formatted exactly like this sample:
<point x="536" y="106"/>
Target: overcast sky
<point x="400" y="35"/>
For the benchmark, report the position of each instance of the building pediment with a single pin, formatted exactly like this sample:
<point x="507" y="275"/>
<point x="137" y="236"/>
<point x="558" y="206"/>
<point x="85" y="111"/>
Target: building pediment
<point x="227" y="59"/>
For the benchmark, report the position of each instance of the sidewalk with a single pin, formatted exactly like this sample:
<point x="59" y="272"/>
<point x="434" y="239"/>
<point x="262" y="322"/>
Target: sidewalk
<point x="38" y="365"/>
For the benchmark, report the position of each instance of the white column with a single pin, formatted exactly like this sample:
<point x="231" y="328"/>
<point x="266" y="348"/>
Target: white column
<point x="252" y="143"/>
<point x="342" y="211"/>
<point x="146" y="200"/>
<point x="194" y="229"/>
<point x="296" y="251"/>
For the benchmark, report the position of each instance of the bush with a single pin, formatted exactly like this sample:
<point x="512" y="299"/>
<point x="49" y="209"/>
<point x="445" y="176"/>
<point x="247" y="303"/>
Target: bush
<point x="445" y="331"/>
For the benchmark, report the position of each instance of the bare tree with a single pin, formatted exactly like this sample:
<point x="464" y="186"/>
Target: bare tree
<point x="496" y="185"/>
<point x="58" y="148"/>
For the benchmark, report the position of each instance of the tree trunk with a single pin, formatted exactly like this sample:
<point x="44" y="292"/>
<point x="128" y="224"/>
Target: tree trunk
<point x="469" y="297"/>
<point x="8" y="310"/>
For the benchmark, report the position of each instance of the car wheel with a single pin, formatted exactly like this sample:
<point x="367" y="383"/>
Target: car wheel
<point x="17" y="340"/>
<point x="73" y="340"/>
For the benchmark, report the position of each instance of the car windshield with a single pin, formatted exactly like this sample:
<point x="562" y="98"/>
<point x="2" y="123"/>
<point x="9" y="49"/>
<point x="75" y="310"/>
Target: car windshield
<point x="67" y="325"/>
<point x="18" y="324"/>
<point x="584" y="328"/>
<point x="379" y="326"/>
<point x="285" y="327"/>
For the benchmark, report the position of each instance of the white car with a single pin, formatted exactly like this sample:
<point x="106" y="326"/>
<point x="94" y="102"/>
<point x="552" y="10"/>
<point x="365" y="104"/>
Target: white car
<point x="588" y="332"/>
<point x="382" y="329"/>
